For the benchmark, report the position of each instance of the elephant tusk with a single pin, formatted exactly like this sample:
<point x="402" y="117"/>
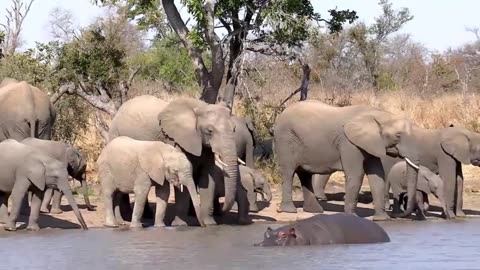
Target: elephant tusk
<point x="411" y="163"/>
<point x="242" y="162"/>
<point x="181" y="188"/>
<point x="219" y="160"/>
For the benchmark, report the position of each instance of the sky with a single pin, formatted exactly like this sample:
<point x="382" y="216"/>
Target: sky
<point x="438" y="24"/>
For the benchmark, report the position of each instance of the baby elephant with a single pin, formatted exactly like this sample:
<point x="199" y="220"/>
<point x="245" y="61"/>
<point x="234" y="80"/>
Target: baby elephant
<point x="74" y="162"/>
<point x="324" y="229"/>
<point x="254" y="183"/>
<point x="24" y="168"/>
<point x="427" y="183"/>
<point x="129" y="166"/>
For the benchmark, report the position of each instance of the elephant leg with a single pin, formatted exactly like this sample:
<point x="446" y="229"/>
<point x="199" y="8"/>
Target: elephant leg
<point x="376" y="179"/>
<point x="25" y="206"/>
<point x="47" y="197"/>
<point x="108" y="199"/>
<point x="182" y="201"/>
<point x="3" y="207"/>
<point x="352" y="162"/>
<point x="420" y="214"/>
<point x="459" y="193"/>
<point x="207" y="195"/>
<point x="319" y="182"/>
<point x="287" y="184"/>
<point x="125" y="208"/>
<point x="162" y="193"/>
<point x="141" y="193"/>
<point x="310" y="203"/>
<point x="387" y="195"/>
<point x="243" y="206"/>
<point x="252" y="201"/>
<point x="37" y="197"/>
<point x="56" y="201"/>
<point x="447" y="171"/>
<point x="117" y="199"/>
<point x="18" y="194"/>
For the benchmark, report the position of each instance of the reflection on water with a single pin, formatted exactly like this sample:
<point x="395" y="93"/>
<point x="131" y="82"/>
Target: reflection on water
<point x="435" y="244"/>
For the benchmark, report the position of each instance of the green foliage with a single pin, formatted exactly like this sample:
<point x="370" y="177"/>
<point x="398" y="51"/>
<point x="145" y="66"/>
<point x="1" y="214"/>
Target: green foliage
<point x="167" y="61"/>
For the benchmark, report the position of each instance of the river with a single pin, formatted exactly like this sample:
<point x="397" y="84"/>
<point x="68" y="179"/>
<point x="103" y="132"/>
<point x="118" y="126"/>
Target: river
<point x="437" y="244"/>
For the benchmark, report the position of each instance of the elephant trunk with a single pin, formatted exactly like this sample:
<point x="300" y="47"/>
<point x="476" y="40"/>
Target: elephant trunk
<point x="195" y="196"/>
<point x="63" y="186"/>
<point x="267" y="192"/>
<point x="230" y="167"/>
<point x="84" y="190"/>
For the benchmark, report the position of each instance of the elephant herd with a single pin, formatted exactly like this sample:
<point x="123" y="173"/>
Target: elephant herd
<point x="207" y="153"/>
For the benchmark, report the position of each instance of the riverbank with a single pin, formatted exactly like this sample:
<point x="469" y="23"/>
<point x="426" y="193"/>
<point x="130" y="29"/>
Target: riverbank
<point x="268" y="213"/>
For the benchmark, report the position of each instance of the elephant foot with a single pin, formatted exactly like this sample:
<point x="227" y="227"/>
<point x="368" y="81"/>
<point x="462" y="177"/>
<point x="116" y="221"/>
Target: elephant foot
<point x="287" y="207"/>
<point x="111" y="224"/>
<point x="33" y="227"/>
<point x="460" y="214"/>
<point x="312" y="207"/>
<point x="253" y="208"/>
<point x="56" y="211"/>
<point x="209" y="221"/>
<point x="381" y="217"/>
<point x="10" y="227"/>
<point x="178" y="222"/>
<point x="159" y="225"/>
<point x="44" y="210"/>
<point x="136" y="225"/>
<point x="448" y="215"/>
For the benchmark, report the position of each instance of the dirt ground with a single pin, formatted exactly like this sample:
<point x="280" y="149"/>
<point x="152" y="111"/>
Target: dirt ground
<point x="268" y="214"/>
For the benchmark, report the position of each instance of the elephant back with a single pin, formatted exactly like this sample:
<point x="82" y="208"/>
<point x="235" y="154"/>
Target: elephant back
<point x="25" y="111"/>
<point x="137" y="119"/>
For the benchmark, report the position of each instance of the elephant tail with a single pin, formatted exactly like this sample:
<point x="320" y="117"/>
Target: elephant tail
<point x="33" y="123"/>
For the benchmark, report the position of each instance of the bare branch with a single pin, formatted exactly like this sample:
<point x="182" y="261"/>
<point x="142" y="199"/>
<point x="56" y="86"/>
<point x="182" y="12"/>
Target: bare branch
<point x="66" y="88"/>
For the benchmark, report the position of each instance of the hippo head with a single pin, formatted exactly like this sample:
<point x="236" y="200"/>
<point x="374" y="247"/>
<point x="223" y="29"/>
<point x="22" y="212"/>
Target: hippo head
<point x="278" y="238"/>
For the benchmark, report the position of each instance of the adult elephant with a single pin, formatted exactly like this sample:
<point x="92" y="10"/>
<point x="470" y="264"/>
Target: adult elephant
<point x="25" y="111"/>
<point x="245" y="134"/>
<point x="311" y="137"/>
<point x="204" y="132"/>
<point x="443" y="151"/>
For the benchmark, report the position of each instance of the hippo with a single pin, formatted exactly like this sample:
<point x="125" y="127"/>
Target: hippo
<point x="325" y="229"/>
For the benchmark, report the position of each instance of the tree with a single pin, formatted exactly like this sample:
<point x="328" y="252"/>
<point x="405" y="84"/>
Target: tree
<point x="12" y="28"/>
<point x="371" y="40"/>
<point x="247" y="23"/>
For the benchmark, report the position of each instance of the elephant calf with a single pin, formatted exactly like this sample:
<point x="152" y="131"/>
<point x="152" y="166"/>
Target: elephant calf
<point x="427" y="183"/>
<point x="326" y="229"/>
<point x="129" y="166"/>
<point x="254" y="183"/>
<point x="74" y="162"/>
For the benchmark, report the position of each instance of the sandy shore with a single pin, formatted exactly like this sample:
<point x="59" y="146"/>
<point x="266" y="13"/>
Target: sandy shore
<point x="268" y="214"/>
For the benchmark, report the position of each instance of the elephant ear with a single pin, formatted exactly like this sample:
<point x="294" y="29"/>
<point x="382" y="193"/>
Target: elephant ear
<point x="364" y="132"/>
<point x="424" y="177"/>
<point x="73" y="157"/>
<point x="458" y="146"/>
<point x="36" y="173"/>
<point x="154" y="165"/>
<point x="179" y="122"/>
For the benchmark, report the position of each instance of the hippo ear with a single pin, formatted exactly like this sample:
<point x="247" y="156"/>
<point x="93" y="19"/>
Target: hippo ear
<point x="292" y="233"/>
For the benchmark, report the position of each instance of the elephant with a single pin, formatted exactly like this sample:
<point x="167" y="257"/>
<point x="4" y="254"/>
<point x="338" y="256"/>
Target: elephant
<point x="427" y="183"/>
<point x="245" y="134"/>
<point x="24" y="169"/>
<point x="127" y="165"/>
<point x="204" y="132"/>
<point x="254" y="182"/>
<point x="74" y="162"/>
<point x="25" y="111"/>
<point x="324" y="229"/>
<point x="311" y="137"/>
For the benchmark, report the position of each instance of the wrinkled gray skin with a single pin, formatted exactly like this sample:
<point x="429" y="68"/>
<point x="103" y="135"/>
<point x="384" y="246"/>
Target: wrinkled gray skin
<point x="25" y="111"/>
<point x="323" y="229"/>
<point x="442" y="151"/>
<point x="74" y="162"/>
<point x="132" y="166"/>
<point x="24" y="168"/>
<point x="427" y="183"/>
<point x="245" y="134"/>
<point x="311" y="137"/>
<point x="202" y="131"/>
<point x="254" y="183"/>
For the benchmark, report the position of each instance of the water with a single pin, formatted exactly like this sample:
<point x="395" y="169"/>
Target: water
<point x="435" y="244"/>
